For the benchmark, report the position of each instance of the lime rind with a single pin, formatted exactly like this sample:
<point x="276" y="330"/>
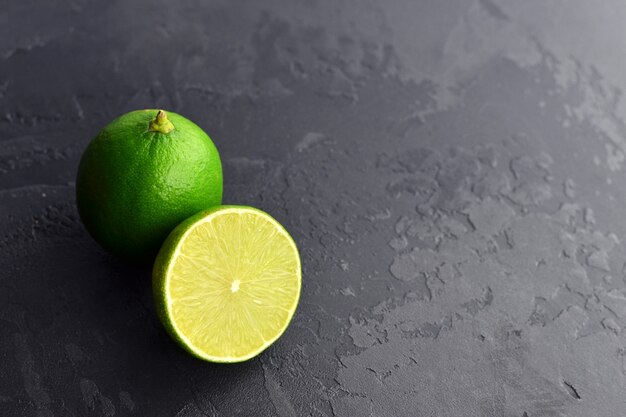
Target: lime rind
<point x="135" y="184"/>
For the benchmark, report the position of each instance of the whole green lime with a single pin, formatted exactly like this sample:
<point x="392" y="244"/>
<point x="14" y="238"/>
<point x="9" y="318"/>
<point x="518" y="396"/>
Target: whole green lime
<point x="144" y="173"/>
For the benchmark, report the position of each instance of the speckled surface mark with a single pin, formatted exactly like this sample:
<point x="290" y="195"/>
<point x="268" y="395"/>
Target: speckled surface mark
<point x="452" y="171"/>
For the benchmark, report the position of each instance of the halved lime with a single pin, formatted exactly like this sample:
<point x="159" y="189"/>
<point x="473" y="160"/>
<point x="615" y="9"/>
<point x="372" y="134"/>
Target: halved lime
<point x="227" y="282"/>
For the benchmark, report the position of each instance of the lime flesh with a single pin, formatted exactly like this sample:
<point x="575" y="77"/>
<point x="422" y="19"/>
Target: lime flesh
<point x="227" y="282"/>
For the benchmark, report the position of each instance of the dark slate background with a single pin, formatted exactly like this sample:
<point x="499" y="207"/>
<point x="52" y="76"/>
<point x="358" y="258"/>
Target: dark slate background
<point x="452" y="171"/>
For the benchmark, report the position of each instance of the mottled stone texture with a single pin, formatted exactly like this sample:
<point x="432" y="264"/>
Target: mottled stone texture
<point x="452" y="171"/>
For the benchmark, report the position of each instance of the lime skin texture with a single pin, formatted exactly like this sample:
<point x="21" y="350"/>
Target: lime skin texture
<point x="142" y="175"/>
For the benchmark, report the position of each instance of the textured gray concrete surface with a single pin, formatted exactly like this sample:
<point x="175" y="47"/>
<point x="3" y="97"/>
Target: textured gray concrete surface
<point x="452" y="171"/>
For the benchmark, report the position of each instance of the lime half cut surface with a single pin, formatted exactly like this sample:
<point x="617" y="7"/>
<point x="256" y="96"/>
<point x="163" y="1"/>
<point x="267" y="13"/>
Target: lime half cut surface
<point x="227" y="282"/>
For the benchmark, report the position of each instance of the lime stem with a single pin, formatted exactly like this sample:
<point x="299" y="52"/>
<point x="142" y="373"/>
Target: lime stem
<point x="161" y="123"/>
